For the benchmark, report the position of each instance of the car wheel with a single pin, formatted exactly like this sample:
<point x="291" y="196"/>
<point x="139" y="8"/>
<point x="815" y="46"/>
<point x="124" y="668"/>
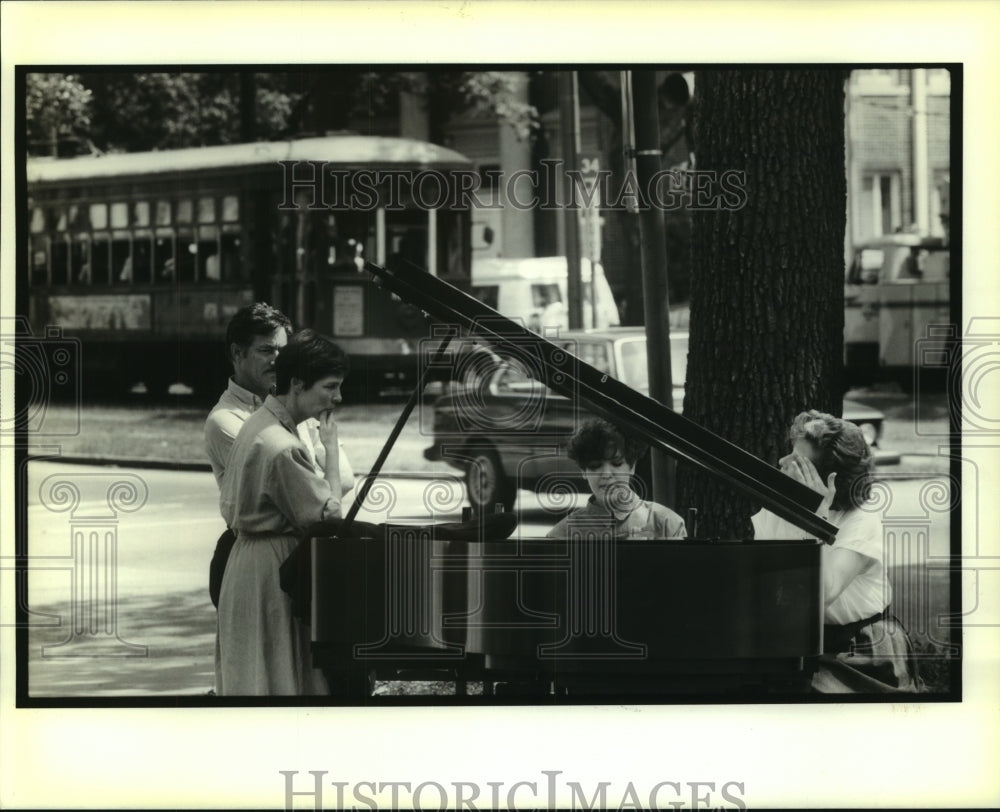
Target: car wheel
<point x="487" y="484"/>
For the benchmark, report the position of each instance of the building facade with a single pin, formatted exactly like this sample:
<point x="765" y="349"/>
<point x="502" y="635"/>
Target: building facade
<point x="899" y="152"/>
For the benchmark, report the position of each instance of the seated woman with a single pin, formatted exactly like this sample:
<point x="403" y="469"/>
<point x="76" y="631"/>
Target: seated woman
<point x="270" y="493"/>
<point x="866" y="649"/>
<point x="607" y="458"/>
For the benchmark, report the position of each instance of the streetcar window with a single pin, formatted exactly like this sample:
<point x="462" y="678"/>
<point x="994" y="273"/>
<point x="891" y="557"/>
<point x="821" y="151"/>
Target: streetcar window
<point x="98" y="272"/>
<point x="60" y="249"/>
<point x="79" y="219"/>
<point x="38" y="250"/>
<point x="163" y="256"/>
<point x="119" y="215"/>
<point x="232" y="268"/>
<point x="409" y="244"/>
<point x="142" y="258"/>
<point x="163" y="213"/>
<point x="121" y="258"/>
<point x="37" y="220"/>
<point x="79" y="258"/>
<point x="208" y="254"/>
<point x="230" y="209"/>
<point x="98" y="215"/>
<point x="184" y="211"/>
<point x="59" y="216"/>
<point x="140" y="213"/>
<point x="206" y="209"/>
<point x="187" y="249"/>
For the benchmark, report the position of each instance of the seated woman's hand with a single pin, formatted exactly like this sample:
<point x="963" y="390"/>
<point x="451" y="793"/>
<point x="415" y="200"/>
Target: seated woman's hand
<point x="802" y="469"/>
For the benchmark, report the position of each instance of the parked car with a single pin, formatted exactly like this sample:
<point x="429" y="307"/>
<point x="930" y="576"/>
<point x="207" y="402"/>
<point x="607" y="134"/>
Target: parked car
<point x="508" y="431"/>
<point x="896" y="286"/>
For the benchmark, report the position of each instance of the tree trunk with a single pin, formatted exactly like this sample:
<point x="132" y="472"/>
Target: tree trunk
<point x="767" y="305"/>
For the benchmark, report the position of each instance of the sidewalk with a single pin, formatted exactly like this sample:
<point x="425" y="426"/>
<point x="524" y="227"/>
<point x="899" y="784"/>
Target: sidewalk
<point x="170" y="650"/>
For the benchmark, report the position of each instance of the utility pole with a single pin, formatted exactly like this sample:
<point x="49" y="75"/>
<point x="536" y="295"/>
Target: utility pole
<point x="921" y="195"/>
<point x="569" y="125"/>
<point x="652" y="233"/>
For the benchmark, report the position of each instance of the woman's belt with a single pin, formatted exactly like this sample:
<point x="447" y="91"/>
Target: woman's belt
<point x="838" y="637"/>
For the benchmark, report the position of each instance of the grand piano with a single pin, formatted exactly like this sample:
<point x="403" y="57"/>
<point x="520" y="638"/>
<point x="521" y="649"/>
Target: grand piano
<point x="589" y="618"/>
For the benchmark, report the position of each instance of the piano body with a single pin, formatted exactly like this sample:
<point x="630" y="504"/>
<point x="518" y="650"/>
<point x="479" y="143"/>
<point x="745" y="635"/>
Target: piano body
<point x="591" y="616"/>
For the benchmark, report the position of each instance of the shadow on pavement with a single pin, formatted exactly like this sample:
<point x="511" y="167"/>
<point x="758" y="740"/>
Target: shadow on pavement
<point x="164" y="645"/>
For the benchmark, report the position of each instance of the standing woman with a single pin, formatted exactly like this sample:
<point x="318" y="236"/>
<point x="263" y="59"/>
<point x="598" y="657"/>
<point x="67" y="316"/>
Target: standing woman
<point x="270" y="493"/>
<point x="866" y="649"/>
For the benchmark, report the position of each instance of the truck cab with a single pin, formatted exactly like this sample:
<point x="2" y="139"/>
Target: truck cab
<point x="896" y="286"/>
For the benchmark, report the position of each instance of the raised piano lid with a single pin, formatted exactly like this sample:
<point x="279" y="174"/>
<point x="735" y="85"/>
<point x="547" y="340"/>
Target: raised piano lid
<point x="657" y="424"/>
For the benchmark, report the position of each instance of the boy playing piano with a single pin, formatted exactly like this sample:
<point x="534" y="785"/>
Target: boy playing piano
<point x="608" y="458"/>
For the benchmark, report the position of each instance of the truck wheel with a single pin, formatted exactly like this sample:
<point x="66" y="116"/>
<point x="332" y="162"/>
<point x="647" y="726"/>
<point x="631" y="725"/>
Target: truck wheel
<point x="487" y="484"/>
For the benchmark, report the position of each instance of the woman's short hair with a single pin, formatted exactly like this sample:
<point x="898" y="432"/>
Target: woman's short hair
<point x="841" y="449"/>
<point x="598" y="440"/>
<point x="308" y="356"/>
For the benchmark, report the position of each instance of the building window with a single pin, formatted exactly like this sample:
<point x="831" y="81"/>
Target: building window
<point x="940" y="224"/>
<point x="880" y="205"/>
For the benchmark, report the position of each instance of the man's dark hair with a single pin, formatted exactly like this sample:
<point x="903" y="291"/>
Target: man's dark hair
<point x="257" y="319"/>
<point x="598" y="440"/>
<point x="308" y="356"/>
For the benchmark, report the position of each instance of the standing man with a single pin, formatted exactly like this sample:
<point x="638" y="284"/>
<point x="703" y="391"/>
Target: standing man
<point x="255" y="335"/>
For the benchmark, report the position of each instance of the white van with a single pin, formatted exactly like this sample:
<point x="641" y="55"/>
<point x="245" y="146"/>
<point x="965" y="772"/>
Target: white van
<point x="896" y="286"/>
<point x="534" y="291"/>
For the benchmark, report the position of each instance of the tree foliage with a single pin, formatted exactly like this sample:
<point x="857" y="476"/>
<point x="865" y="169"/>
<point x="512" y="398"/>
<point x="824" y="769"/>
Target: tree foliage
<point x="59" y="109"/>
<point x="120" y="111"/>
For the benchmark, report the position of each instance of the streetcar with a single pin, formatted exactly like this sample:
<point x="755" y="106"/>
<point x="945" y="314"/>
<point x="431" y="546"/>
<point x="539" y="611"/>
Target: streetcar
<point x="144" y="257"/>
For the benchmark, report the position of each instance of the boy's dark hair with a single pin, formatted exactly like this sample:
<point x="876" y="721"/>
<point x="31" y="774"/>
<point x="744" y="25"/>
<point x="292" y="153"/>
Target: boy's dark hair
<point x="257" y="319"/>
<point x="308" y="356"/>
<point x="598" y="440"/>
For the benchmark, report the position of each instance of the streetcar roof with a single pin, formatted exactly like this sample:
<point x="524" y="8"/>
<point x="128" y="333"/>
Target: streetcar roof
<point x="348" y="150"/>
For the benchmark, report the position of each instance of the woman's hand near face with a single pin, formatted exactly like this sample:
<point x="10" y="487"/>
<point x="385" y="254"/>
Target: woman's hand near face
<point x="802" y="469"/>
<point x="328" y="435"/>
<point x="328" y="431"/>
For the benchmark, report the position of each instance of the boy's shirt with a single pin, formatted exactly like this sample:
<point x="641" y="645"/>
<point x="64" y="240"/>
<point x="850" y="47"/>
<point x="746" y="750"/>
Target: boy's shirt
<point x="647" y="520"/>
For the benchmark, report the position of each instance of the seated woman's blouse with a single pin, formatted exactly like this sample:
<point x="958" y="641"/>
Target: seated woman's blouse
<point x="859" y="530"/>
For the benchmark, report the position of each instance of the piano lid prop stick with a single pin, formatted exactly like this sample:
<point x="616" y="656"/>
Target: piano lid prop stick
<point x="369" y="480"/>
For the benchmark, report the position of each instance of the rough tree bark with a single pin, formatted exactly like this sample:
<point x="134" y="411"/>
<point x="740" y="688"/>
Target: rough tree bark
<point x="767" y="305"/>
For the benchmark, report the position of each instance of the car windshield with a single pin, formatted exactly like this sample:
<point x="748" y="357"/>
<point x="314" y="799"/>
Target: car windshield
<point x="542" y="295"/>
<point x="635" y="371"/>
<point x="900" y="263"/>
<point x="511" y="378"/>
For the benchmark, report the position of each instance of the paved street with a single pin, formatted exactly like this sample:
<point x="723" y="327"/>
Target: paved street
<point x="153" y="633"/>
